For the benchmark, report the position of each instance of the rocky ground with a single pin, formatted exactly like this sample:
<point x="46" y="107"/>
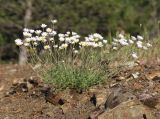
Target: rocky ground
<point x="132" y="94"/>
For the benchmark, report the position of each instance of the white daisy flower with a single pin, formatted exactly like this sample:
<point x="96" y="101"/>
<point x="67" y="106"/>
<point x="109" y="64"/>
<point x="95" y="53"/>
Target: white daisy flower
<point x="131" y="41"/>
<point x="149" y="45"/>
<point x="140" y="37"/>
<point x="139" y="44"/>
<point x="49" y="30"/>
<point x="76" y="51"/>
<point x="27" y="39"/>
<point x="38" y="32"/>
<point x="44" y="34"/>
<point x="61" y="39"/>
<point x="18" y="42"/>
<point x="133" y="38"/>
<point x="31" y="31"/>
<point x="115" y="48"/>
<point x="121" y="36"/>
<point x="54" y="21"/>
<point x="26" y="30"/>
<point x="46" y="47"/>
<point x="26" y="34"/>
<point x="115" y="40"/>
<point x="105" y="41"/>
<point x="53" y="33"/>
<point x="55" y="46"/>
<point x="51" y="39"/>
<point x="43" y="25"/>
<point x="134" y="55"/>
<point x="145" y="48"/>
<point x="26" y="44"/>
<point x="35" y="43"/>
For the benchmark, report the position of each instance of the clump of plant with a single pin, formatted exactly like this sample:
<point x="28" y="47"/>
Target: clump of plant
<point x="68" y="60"/>
<point x="75" y="78"/>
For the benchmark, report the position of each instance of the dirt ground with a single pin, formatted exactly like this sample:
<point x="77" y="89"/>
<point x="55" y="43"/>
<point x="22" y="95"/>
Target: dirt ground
<point x="24" y="96"/>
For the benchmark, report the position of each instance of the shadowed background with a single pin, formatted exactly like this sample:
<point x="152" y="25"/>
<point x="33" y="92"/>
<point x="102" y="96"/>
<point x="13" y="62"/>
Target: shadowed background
<point x="82" y="16"/>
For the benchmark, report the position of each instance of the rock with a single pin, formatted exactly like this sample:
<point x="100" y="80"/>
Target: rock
<point x="148" y="100"/>
<point x="23" y="87"/>
<point x="156" y="78"/>
<point x="95" y="113"/>
<point x="153" y="76"/>
<point x="54" y="99"/>
<point x="10" y="92"/>
<point x="17" y="81"/>
<point x="33" y="81"/>
<point x="66" y="107"/>
<point x="132" y="109"/>
<point x="101" y="98"/>
<point x="29" y="85"/>
<point x="113" y="85"/>
<point x="118" y="96"/>
<point x="120" y="78"/>
<point x="158" y="106"/>
<point x="98" y="96"/>
<point x="114" y="99"/>
<point x="1" y="87"/>
<point x="7" y="117"/>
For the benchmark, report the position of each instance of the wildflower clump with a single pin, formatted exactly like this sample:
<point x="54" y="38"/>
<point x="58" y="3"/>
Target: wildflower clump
<point x="132" y="43"/>
<point x="70" y="60"/>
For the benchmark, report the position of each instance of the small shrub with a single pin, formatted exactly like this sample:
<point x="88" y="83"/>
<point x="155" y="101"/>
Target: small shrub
<point x="70" y="61"/>
<point x="76" y="78"/>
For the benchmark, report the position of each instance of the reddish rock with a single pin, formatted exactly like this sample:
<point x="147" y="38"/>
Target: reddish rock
<point x="128" y="110"/>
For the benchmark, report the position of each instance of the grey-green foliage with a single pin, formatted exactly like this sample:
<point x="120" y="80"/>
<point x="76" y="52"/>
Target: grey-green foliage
<point x="64" y="77"/>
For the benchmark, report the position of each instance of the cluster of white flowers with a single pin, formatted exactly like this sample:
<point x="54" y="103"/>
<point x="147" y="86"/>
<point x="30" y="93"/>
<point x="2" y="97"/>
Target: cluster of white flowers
<point x="138" y="41"/>
<point x="47" y="36"/>
<point x="34" y="37"/>
<point x="69" y="37"/>
<point x="94" y="40"/>
<point x="50" y="39"/>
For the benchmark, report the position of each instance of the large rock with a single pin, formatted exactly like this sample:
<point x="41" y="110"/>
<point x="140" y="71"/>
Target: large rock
<point x="128" y="110"/>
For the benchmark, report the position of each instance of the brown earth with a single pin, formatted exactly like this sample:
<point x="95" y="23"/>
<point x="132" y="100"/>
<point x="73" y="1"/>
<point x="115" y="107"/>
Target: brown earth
<point x="24" y="96"/>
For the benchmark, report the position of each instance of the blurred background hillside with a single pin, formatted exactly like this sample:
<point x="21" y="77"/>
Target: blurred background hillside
<point x="82" y="16"/>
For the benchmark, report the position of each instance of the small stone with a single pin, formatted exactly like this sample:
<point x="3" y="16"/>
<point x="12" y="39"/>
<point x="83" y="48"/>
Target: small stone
<point x="136" y="75"/>
<point x="153" y="76"/>
<point x="29" y="85"/>
<point x="1" y="87"/>
<point x="33" y="82"/>
<point x="50" y="114"/>
<point x="66" y="107"/>
<point x="101" y="98"/>
<point x="10" y="92"/>
<point x="113" y="85"/>
<point x="148" y="100"/>
<point x="23" y="87"/>
<point x="95" y="113"/>
<point x="156" y="78"/>
<point x="7" y="117"/>
<point x="121" y="78"/>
